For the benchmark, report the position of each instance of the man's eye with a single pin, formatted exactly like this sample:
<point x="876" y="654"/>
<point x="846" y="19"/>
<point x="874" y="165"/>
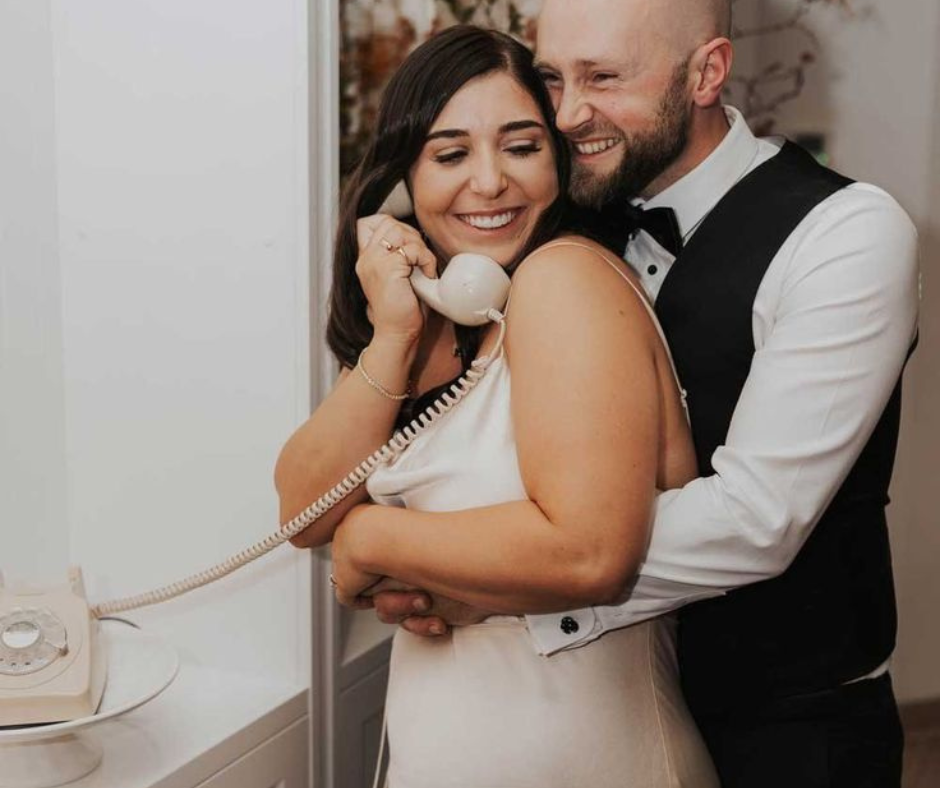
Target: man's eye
<point x="603" y="77"/>
<point x="549" y="78"/>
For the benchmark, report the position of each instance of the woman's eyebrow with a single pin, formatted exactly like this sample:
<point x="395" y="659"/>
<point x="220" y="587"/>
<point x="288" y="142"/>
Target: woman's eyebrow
<point x="520" y="125"/>
<point x="515" y="125"/>
<point x="447" y="134"/>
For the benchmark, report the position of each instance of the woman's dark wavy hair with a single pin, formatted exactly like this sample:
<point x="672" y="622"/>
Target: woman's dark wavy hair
<point x="416" y="95"/>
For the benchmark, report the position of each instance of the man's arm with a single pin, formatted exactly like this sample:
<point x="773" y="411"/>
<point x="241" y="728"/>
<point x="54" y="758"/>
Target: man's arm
<point x="839" y="317"/>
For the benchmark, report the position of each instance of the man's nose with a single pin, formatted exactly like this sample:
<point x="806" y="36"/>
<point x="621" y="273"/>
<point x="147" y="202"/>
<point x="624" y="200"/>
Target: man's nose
<point x="573" y="111"/>
<point x="489" y="179"/>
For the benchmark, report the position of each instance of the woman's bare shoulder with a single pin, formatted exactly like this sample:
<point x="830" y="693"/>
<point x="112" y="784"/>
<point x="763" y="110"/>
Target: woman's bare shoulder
<point x="572" y="292"/>
<point x="574" y="263"/>
<point x="569" y="246"/>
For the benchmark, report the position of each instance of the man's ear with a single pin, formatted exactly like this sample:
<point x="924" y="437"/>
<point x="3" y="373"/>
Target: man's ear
<point x="711" y="68"/>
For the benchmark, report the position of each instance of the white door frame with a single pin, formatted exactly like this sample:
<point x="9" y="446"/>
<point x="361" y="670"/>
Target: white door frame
<point x="323" y="64"/>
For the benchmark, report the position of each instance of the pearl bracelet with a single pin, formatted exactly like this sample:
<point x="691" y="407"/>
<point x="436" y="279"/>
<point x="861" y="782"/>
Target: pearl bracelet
<point x="378" y="386"/>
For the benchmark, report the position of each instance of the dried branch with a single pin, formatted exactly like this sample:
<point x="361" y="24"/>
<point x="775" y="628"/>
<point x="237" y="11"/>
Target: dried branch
<point x="792" y="23"/>
<point x="761" y="95"/>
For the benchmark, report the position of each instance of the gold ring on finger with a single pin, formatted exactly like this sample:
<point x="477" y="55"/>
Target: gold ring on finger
<point x="386" y="245"/>
<point x="404" y="256"/>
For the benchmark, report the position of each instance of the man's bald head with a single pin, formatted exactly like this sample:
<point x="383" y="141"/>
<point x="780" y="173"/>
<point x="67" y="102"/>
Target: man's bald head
<point x="682" y="25"/>
<point x="720" y="11"/>
<point x="688" y="23"/>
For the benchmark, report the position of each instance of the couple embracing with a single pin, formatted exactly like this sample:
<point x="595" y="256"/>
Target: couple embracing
<point x="649" y="549"/>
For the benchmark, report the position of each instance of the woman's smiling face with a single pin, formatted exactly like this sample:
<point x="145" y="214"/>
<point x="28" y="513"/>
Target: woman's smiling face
<point x="486" y="172"/>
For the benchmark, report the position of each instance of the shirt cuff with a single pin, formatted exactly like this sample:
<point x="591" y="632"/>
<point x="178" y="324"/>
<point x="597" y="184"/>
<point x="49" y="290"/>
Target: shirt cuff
<point x="556" y="632"/>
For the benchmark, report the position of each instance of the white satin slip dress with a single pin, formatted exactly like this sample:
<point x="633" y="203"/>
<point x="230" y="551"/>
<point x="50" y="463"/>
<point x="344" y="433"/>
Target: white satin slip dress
<point x="479" y="708"/>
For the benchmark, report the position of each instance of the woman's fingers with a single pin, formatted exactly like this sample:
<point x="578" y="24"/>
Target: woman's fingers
<point x="384" y="231"/>
<point x="384" y="267"/>
<point x="417" y="254"/>
<point x="365" y="229"/>
<point x="394" y="250"/>
<point x="354" y="601"/>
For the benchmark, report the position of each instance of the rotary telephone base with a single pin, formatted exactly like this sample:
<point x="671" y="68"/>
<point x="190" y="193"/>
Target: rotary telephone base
<point x="51" y="668"/>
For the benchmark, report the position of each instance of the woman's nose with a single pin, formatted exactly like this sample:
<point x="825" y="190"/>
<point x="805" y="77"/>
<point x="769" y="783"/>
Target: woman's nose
<point x="489" y="178"/>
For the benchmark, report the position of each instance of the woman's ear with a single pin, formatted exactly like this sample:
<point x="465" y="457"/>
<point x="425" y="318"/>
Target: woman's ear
<point x="711" y="68"/>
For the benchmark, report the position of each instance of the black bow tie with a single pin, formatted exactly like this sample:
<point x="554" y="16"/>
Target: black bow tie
<point x="661" y="223"/>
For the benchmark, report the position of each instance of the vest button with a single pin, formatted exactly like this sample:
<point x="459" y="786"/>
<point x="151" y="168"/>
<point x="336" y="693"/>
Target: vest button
<point x="652" y="270"/>
<point x="569" y="625"/>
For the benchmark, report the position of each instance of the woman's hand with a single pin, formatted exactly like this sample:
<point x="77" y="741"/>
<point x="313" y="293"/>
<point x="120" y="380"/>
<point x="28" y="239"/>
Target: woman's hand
<point x="388" y="251"/>
<point x="349" y="579"/>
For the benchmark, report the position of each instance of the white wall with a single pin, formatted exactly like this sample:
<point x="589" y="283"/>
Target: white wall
<point x="33" y="541"/>
<point x="874" y="93"/>
<point x="920" y="583"/>
<point x="158" y="346"/>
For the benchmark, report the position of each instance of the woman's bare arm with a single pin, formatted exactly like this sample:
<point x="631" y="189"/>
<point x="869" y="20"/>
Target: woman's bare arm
<point x="585" y="409"/>
<point x="347" y="427"/>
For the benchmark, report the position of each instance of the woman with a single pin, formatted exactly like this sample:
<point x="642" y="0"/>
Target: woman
<point x="529" y="498"/>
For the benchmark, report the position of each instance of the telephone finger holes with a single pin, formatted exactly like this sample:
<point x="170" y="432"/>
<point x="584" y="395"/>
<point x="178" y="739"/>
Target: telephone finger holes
<point x="21" y="635"/>
<point x="30" y="640"/>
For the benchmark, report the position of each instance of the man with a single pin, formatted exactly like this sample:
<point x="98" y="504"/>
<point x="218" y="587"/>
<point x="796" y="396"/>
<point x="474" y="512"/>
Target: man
<point x="789" y="297"/>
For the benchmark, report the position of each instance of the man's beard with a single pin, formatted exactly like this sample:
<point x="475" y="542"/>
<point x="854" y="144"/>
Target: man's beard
<point x="646" y="157"/>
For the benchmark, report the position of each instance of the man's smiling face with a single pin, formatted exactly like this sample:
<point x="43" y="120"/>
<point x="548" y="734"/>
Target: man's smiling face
<point x="620" y="84"/>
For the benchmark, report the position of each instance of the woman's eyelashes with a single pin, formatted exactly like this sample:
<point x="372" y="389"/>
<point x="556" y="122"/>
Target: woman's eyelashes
<point x="525" y="149"/>
<point x="450" y="156"/>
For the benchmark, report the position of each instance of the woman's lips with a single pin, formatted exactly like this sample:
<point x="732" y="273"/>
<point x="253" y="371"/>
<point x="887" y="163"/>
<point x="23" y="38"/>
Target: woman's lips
<point x="491" y="221"/>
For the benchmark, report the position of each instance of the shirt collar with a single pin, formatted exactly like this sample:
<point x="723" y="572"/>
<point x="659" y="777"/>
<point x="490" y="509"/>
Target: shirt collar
<point x="694" y="195"/>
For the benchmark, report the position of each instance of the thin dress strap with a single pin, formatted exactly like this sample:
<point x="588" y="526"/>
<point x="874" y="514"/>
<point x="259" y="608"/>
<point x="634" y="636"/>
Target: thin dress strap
<point x="643" y="299"/>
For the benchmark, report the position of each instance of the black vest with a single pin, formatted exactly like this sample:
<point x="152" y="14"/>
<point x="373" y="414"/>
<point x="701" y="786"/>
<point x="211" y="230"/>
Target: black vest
<point x="830" y="617"/>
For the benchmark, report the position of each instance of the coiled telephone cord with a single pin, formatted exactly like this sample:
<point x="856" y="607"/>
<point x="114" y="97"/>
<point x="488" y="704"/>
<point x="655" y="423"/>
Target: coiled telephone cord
<point x="395" y="446"/>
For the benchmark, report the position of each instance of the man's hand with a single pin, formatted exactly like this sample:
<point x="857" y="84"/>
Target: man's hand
<point x="422" y="613"/>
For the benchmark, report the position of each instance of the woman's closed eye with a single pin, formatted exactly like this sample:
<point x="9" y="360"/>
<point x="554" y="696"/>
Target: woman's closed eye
<point x="450" y="156"/>
<point x="523" y="149"/>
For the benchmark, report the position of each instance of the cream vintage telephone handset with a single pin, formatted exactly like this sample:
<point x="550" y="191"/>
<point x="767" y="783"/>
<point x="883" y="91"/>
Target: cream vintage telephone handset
<point x="469" y="286"/>
<point x="50" y="668"/>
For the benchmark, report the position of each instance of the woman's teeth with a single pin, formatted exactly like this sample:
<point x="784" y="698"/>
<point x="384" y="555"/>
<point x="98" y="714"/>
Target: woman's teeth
<point x="595" y="147"/>
<point x="492" y="222"/>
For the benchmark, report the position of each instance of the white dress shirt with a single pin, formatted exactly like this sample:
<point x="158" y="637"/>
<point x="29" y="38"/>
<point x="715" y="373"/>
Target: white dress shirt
<point x="833" y="320"/>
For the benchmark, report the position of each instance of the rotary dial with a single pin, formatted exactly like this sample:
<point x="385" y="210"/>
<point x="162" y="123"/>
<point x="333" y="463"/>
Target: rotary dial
<point x="30" y="640"/>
